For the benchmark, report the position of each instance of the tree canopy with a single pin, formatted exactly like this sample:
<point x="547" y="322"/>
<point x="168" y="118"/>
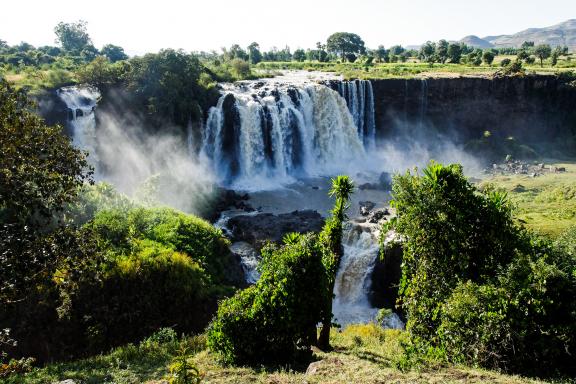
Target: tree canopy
<point x="344" y="43"/>
<point x="72" y="36"/>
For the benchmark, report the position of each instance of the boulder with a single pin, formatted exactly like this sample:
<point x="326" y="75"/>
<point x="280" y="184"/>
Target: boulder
<point x="257" y="229"/>
<point x="366" y="207"/>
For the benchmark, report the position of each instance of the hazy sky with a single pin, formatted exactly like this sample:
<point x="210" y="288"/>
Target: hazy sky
<point x="146" y="26"/>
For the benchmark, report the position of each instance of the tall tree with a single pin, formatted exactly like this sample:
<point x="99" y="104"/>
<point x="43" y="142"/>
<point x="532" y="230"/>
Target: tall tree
<point x="542" y="52"/>
<point x="331" y="239"/>
<point x="345" y="43"/>
<point x="442" y="51"/>
<point x="454" y="53"/>
<point x="488" y="57"/>
<point x="254" y="53"/>
<point x="113" y="52"/>
<point x="72" y="37"/>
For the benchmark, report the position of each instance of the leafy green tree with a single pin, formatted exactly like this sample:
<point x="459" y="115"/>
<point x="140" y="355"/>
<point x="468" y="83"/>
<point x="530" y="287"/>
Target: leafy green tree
<point x="254" y="54"/>
<point x="527" y="45"/>
<point x="542" y="52"/>
<point x="427" y="52"/>
<point x="345" y="43"/>
<point x="381" y="54"/>
<point x="442" y="51"/>
<point x="73" y="37"/>
<point x="488" y="57"/>
<point x="331" y="239"/>
<point x="274" y="321"/>
<point x="454" y="53"/>
<point x="397" y="50"/>
<point x="40" y="172"/>
<point x="113" y="52"/>
<point x="474" y="283"/>
<point x="236" y="52"/>
<point x="166" y="85"/>
<point x="299" y="55"/>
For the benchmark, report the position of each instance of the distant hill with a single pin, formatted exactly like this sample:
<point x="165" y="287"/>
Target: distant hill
<point x="563" y="34"/>
<point x="476" y="42"/>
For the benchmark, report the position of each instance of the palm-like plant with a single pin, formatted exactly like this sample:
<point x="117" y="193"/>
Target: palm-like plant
<point x="331" y="239"/>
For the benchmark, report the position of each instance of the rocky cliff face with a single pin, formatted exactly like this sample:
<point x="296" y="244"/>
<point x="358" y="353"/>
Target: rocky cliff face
<point x="529" y="108"/>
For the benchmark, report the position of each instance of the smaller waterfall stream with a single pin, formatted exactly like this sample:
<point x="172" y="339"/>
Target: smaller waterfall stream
<point x="361" y="250"/>
<point x="81" y="103"/>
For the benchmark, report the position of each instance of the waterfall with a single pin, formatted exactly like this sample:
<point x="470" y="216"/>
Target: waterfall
<point x="260" y="134"/>
<point x="359" y="97"/>
<point x="353" y="278"/>
<point x="423" y="100"/>
<point x="81" y="103"/>
<point x="361" y="250"/>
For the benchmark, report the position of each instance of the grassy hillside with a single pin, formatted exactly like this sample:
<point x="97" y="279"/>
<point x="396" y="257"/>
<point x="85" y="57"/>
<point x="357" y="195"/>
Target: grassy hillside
<point x="547" y="203"/>
<point x="362" y="354"/>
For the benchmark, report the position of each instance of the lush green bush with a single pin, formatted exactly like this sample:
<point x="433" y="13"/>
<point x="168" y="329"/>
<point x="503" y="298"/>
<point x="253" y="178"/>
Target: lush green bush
<point x="161" y="268"/>
<point x="275" y="320"/>
<point x="475" y="284"/>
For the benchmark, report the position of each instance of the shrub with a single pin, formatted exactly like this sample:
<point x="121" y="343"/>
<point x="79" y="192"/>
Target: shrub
<point x="476" y="285"/>
<point x="275" y="320"/>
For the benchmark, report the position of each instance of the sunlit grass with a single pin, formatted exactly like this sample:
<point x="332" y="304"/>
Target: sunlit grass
<point x="547" y="203"/>
<point x="361" y="354"/>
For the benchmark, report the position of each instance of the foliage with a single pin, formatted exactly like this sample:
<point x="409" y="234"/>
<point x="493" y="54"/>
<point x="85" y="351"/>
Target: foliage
<point x="474" y="284"/>
<point x="331" y="240"/>
<point x="542" y="51"/>
<point x="182" y="371"/>
<point x="73" y="37"/>
<point x="40" y="172"/>
<point x="166" y="85"/>
<point x="113" y="53"/>
<point x="275" y="320"/>
<point x="345" y="43"/>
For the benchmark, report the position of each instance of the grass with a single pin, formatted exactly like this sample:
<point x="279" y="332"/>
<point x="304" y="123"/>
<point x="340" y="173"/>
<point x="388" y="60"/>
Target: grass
<point x="361" y="354"/>
<point x="413" y="68"/>
<point x="547" y="203"/>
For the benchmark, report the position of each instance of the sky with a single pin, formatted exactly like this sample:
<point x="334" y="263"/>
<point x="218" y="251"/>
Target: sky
<point x="147" y="26"/>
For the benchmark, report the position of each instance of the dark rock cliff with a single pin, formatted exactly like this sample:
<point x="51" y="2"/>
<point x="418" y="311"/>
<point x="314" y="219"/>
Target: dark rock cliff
<point x="530" y="107"/>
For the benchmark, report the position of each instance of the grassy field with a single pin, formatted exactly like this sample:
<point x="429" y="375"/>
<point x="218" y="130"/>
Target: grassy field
<point x="413" y="68"/>
<point x="362" y="354"/>
<point x="547" y="203"/>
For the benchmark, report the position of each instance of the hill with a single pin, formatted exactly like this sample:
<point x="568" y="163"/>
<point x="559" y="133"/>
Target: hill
<point x="563" y="34"/>
<point x="476" y="42"/>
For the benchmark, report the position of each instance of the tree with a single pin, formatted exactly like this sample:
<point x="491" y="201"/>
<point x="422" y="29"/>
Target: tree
<point x="381" y="54"/>
<point x="331" y="239"/>
<point x="254" y="54"/>
<point x="427" y="52"/>
<point x="543" y="51"/>
<point x="442" y="51"/>
<point x="397" y="50"/>
<point x="236" y="52"/>
<point x="40" y="173"/>
<point x="527" y="45"/>
<point x="345" y="43"/>
<point x="73" y="37"/>
<point x="488" y="57"/>
<point x="113" y="52"/>
<point x="299" y="55"/>
<point x="454" y="53"/>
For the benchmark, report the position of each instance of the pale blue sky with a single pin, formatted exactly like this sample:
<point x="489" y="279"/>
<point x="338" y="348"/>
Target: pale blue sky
<point x="146" y="26"/>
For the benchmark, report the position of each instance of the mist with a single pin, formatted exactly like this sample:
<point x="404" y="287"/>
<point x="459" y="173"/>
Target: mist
<point x="156" y="169"/>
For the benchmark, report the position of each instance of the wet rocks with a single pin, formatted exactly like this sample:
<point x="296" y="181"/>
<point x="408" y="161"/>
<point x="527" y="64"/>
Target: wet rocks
<point x="257" y="229"/>
<point x="366" y="207"/>
<point x="226" y="199"/>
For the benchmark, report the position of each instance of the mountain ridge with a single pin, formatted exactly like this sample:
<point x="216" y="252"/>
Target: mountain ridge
<point x="561" y="34"/>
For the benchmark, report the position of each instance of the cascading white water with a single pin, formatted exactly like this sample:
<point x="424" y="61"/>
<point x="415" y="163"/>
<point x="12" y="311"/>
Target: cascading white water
<point x="361" y="250"/>
<point x="81" y="103"/>
<point x="359" y="97"/>
<point x="271" y="134"/>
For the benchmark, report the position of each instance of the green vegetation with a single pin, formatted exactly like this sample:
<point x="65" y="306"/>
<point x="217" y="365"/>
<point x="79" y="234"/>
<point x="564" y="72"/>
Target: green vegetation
<point x="361" y="354"/>
<point x="545" y="203"/>
<point x="274" y="321"/>
<point x="476" y="287"/>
